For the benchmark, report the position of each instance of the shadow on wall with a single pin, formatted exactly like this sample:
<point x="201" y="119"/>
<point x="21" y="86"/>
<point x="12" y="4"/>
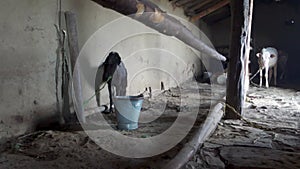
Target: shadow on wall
<point x="50" y="121"/>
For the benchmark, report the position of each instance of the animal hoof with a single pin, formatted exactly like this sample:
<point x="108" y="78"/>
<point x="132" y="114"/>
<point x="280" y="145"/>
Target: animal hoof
<point x="106" y="110"/>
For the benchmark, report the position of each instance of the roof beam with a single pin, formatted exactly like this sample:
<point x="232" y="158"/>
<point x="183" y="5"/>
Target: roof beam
<point x="200" y="5"/>
<point x="210" y="10"/>
<point x="150" y="14"/>
<point x="182" y="2"/>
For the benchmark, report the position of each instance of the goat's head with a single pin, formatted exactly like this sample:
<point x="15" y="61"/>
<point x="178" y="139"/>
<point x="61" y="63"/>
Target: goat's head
<point x="110" y="65"/>
<point x="113" y="59"/>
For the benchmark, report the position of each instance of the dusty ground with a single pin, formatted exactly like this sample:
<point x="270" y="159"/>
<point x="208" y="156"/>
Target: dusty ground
<point x="270" y="140"/>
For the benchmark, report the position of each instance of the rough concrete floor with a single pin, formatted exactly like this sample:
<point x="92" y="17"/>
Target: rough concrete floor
<point x="271" y="140"/>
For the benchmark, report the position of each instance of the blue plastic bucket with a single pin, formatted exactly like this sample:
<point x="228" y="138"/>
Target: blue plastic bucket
<point x="128" y="110"/>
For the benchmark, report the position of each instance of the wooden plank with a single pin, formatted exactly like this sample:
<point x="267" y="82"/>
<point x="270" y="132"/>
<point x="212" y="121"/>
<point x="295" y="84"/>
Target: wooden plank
<point x="200" y="5"/>
<point x="72" y="31"/>
<point x="210" y="10"/>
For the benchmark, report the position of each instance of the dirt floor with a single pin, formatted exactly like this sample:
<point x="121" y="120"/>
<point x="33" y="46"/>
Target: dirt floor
<point x="268" y="137"/>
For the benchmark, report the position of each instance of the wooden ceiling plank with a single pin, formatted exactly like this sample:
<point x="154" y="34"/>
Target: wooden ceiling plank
<point x="210" y="10"/>
<point x="182" y="2"/>
<point x="200" y="5"/>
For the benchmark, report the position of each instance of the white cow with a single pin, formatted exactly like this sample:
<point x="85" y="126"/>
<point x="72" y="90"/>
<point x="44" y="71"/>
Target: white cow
<point x="267" y="59"/>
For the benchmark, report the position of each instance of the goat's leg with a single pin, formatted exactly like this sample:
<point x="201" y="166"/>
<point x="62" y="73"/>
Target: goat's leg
<point x="122" y="92"/>
<point x="110" y="95"/>
<point x="266" y="76"/>
<point x="275" y="74"/>
<point x="97" y="93"/>
<point x="260" y="77"/>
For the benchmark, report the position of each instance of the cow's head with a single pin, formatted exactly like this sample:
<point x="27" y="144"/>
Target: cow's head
<point x="265" y="55"/>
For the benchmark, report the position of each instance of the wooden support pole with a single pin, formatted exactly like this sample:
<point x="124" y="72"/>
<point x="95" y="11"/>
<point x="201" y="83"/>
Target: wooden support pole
<point x="233" y="99"/>
<point x="246" y="48"/>
<point x="210" y="10"/>
<point x="72" y="32"/>
<point x="237" y="77"/>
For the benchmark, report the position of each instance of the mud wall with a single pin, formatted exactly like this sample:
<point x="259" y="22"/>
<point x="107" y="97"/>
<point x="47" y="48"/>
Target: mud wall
<point x="30" y="52"/>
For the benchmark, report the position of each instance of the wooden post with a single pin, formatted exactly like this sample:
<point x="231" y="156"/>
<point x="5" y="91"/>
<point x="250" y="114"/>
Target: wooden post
<point x="241" y="18"/>
<point x="72" y="32"/>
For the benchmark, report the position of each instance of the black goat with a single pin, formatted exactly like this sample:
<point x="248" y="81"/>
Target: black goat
<point x="115" y="74"/>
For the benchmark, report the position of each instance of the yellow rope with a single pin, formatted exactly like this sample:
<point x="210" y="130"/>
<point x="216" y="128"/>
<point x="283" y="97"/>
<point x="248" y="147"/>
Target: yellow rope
<point x="97" y="91"/>
<point x="246" y="121"/>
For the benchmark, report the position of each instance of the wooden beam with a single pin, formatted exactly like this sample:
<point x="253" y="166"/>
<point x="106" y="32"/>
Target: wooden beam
<point x="210" y="10"/>
<point x="200" y="5"/>
<point x="182" y="2"/>
<point x="152" y="16"/>
<point x="215" y="20"/>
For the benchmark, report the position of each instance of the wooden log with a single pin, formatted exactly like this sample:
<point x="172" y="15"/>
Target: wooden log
<point x="72" y="32"/>
<point x="233" y="99"/>
<point x="210" y="10"/>
<point x="239" y="55"/>
<point x="151" y="15"/>
<point x="207" y="128"/>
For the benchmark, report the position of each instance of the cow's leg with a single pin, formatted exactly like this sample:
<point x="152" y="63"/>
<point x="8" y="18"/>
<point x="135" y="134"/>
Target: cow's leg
<point x="266" y="76"/>
<point x="260" y="77"/>
<point x="275" y="74"/>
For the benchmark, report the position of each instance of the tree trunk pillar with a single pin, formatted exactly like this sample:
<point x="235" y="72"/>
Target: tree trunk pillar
<point x="238" y="79"/>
